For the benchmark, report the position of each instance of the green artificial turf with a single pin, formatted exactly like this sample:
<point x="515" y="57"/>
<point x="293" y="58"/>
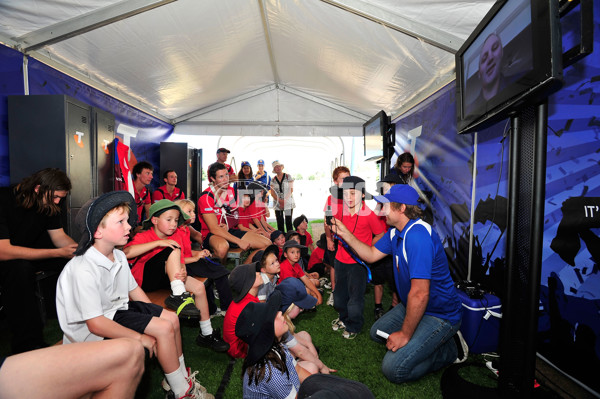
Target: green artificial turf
<point x="358" y="359"/>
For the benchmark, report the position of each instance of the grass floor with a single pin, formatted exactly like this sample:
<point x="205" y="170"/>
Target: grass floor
<point x="357" y="359"/>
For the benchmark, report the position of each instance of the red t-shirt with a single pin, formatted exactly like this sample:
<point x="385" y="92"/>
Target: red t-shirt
<point x="138" y="263"/>
<point x="206" y="204"/>
<point x="237" y="347"/>
<point x="287" y="270"/>
<point x="141" y="198"/>
<point x="335" y="204"/>
<point x="364" y="224"/>
<point x="246" y="214"/>
<point x="309" y="240"/>
<point x="162" y="193"/>
<point x="185" y="233"/>
<point x="316" y="257"/>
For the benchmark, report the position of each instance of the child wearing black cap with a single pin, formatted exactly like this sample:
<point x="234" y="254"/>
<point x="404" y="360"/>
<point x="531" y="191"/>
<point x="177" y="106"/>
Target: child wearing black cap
<point x="290" y="268"/>
<point x="268" y="370"/>
<point x="158" y="262"/>
<point x="350" y="275"/>
<point x="94" y="291"/>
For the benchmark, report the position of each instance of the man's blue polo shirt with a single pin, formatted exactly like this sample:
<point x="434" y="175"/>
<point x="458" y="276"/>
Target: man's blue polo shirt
<point x="426" y="260"/>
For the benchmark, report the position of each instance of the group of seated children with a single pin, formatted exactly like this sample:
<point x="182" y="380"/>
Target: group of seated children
<point x="101" y="292"/>
<point x="99" y="296"/>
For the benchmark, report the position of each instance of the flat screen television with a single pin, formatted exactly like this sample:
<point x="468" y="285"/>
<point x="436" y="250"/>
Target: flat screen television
<point x="374" y="132"/>
<point x="513" y="58"/>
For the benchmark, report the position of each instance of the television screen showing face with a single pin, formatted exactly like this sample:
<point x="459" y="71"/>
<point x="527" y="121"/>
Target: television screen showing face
<point x="499" y="55"/>
<point x="513" y="53"/>
<point x="373" y="136"/>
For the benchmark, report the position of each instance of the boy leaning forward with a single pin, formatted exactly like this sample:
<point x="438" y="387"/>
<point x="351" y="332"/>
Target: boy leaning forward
<point x="97" y="296"/>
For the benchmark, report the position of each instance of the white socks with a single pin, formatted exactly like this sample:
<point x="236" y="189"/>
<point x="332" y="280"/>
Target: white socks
<point x="179" y="385"/>
<point x="206" y="327"/>
<point x="177" y="287"/>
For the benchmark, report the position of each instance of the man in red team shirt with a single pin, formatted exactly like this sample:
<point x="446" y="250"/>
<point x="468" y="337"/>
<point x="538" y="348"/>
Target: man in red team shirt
<point x="219" y="216"/>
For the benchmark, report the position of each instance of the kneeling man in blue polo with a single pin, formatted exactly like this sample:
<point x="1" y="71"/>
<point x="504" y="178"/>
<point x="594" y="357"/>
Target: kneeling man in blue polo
<point x="423" y="328"/>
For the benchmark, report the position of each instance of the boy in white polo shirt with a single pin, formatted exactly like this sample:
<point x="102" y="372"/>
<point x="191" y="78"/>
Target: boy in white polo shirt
<point x="97" y="296"/>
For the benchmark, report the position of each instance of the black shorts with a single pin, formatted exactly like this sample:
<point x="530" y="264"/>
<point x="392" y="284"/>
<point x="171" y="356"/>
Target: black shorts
<point x="234" y="232"/>
<point x="138" y="316"/>
<point x="319" y="268"/>
<point x="382" y="271"/>
<point x="155" y="276"/>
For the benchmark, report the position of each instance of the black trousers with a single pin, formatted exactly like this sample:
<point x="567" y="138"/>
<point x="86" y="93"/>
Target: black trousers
<point x="21" y="304"/>
<point x="279" y="215"/>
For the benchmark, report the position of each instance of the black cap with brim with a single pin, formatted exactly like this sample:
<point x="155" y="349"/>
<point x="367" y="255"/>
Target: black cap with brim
<point x="241" y="280"/>
<point x="262" y="254"/>
<point x="333" y="387"/>
<point x="91" y="213"/>
<point x="256" y="326"/>
<point x="292" y="244"/>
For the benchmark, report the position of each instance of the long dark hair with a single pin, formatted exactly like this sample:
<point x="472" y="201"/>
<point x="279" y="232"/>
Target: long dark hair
<point x="275" y="357"/>
<point x="47" y="181"/>
<point x="241" y="175"/>
<point x="405" y="157"/>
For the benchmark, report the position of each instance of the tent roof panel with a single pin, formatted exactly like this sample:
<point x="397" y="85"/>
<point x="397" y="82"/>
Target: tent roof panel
<point x="189" y="55"/>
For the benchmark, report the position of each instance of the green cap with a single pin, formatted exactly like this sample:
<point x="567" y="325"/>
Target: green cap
<point x="162" y="206"/>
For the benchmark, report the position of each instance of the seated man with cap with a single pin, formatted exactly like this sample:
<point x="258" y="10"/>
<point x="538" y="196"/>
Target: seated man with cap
<point x="420" y="333"/>
<point x="291" y="268"/>
<point x="294" y="300"/>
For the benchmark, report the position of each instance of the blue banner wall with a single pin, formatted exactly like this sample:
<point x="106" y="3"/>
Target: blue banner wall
<point x="569" y="321"/>
<point x="444" y="167"/>
<point x="11" y="84"/>
<point x="46" y="80"/>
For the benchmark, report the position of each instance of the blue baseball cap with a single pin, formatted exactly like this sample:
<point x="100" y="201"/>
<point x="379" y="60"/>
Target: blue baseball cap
<point x="245" y="163"/>
<point x="261" y="162"/>
<point x="400" y="193"/>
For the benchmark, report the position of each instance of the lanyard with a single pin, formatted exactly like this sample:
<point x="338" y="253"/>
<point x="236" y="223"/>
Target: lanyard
<point x="354" y="256"/>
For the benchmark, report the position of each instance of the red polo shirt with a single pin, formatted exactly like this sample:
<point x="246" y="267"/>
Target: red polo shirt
<point x="364" y="224"/>
<point x="237" y="347"/>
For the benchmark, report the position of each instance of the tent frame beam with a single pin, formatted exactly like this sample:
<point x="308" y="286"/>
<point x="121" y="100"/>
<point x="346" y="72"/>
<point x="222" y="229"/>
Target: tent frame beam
<point x="438" y="38"/>
<point x="267" y="89"/>
<point x="85" y="23"/>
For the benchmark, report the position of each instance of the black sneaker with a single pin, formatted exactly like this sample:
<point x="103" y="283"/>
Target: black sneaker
<point x="378" y="312"/>
<point x="213" y="341"/>
<point x="183" y="304"/>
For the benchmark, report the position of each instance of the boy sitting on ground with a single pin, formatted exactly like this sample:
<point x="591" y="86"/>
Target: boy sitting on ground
<point x="291" y="268"/>
<point x="244" y="281"/>
<point x="198" y="263"/>
<point x="314" y="276"/>
<point x="97" y="296"/>
<point x="278" y="238"/>
<point x="157" y="262"/>
<point x="269" y="269"/>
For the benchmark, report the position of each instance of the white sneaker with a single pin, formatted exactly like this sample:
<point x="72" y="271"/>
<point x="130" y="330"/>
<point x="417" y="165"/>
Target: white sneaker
<point x="218" y="313"/>
<point x="461" y="347"/>
<point x="330" y="299"/>
<point x="338" y="325"/>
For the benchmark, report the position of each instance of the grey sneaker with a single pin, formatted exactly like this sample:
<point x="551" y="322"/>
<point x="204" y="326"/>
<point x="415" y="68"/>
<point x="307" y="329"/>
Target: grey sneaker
<point x="338" y="325"/>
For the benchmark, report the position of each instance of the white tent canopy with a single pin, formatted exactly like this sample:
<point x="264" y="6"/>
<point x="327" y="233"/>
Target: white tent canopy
<point x="250" y="67"/>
